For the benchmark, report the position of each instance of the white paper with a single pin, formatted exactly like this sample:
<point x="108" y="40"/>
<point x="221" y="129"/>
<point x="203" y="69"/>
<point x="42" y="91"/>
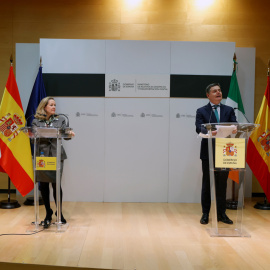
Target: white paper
<point x="222" y="132"/>
<point x="225" y="131"/>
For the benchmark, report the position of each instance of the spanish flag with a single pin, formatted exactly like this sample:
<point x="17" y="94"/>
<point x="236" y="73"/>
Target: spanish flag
<point x="16" y="159"/>
<point x="258" y="149"/>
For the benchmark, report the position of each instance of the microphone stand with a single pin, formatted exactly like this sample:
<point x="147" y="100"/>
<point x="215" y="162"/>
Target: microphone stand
<point x="9" y="204"/>
<point x="242" y="114"/>
<point x="233" y="203"/>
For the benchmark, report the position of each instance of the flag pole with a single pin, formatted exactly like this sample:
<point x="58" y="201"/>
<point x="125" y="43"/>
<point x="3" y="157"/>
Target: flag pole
<point x="9" y="204"/>
<point x="265" y="205"/>
<point x="233" y="204"/>
<point x="31" y="200"/>
<point x="234" y="62"/>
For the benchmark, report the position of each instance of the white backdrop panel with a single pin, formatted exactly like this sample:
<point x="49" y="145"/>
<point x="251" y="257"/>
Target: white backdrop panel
<point x="83" y="176"/>
<point x="73" y="55"/>
<point x="136" y="155"/>
<point x="27" y="65"/>
<point x="137" y="57"/>
<point x="185" y="171"/>
<point x="202" y="58"/>
<point x="84" y="172"/>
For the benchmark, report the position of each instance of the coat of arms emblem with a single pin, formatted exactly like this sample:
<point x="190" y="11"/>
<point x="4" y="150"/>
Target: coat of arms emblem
<point x="114" y="85"/>
<point x="41" y="163"/>
<point x="230" y="150"/>
<point x="264" y="140"/>
<point x="10" y="126"/>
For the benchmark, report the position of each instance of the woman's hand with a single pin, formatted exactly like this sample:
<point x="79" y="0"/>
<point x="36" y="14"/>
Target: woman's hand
<point x="72" y="133"/>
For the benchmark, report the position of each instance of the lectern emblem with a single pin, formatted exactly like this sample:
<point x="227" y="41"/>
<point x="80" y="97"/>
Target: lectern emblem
<point x="230" y="150"/>
<point x="41" y="163"/>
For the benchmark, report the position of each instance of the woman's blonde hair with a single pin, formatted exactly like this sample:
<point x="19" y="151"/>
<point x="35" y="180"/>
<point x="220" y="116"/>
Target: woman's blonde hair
<point x="40" y="112"/>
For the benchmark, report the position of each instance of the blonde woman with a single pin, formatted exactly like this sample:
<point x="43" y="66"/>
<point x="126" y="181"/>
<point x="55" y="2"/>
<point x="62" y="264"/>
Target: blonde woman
<point x="46" y="117"/>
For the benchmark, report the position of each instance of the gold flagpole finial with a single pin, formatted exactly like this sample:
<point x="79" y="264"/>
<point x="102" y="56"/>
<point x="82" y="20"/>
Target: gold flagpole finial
<point x="11" y="59"/>
<point x="40" y="61"/>
<point x="234" y="62"/>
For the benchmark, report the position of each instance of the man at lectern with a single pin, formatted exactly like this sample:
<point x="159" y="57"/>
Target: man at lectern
<point x="46" y="117"/>
<point x="213" y="112"/>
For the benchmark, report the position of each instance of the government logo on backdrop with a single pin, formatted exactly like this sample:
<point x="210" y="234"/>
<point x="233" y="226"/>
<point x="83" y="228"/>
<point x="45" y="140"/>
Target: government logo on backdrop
<point x="114" y="85"/>
<point x="137" y="85"/>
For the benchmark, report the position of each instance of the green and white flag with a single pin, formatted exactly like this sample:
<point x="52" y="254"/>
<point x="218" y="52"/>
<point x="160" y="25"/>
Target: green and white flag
<point x="234" y="100"/>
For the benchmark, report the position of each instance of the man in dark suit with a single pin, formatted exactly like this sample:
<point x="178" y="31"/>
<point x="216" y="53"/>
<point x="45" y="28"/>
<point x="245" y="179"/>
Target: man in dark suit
<point x="213" y="112"/>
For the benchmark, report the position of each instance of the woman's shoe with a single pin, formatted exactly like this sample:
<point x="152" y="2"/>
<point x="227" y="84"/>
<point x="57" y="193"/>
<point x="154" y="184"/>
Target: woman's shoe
<point x="48" y="219"/>
<point x="62" y="218"/>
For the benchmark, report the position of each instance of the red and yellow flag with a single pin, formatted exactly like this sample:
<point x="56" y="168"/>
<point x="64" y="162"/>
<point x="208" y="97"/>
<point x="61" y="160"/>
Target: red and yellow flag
<point x="258" y="149"/>
<point x="15" y="159"/>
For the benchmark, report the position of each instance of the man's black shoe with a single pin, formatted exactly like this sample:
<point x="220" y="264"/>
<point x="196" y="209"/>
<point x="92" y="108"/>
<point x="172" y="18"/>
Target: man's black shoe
<point x="224" y="218"/>
<point x="205" y="219"/>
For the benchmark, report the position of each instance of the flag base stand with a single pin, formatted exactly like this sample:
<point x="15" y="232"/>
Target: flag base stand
<point x="9" y="204"/>
<point x="31" y="201"/>
<point x="231" y="204"/>
<point x="262" y="206"/>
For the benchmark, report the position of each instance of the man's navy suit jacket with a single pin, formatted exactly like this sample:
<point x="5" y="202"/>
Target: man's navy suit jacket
<point x="206" y="115"/>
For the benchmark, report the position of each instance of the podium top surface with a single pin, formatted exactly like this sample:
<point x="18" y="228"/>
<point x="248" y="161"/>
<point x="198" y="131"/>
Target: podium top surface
<point x="245" y="127"/>
<point x="47" y="132"/>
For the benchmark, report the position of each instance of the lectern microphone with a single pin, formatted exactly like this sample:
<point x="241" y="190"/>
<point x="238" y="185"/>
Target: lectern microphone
<point x="242" y="114"/>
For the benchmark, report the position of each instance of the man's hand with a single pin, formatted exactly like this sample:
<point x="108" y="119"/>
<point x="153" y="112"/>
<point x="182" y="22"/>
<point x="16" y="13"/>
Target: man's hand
<point x="234" y="131"/>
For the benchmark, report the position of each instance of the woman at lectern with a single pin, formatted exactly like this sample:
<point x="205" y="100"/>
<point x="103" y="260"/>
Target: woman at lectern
<point x="46" y="117"/>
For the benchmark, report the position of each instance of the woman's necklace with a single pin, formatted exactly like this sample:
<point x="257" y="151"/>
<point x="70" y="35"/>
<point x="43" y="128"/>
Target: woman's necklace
<point x="50" y="120"/>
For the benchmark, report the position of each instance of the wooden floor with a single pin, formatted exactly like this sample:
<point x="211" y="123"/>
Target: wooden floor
<point x="141" y="236"/>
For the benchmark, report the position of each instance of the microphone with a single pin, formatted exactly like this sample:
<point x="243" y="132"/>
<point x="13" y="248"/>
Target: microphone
<point x="213" y="107"/>
<point x="209" y="128"/>
<point x="242" y="114"/>
<point x="31" y="118"/>
<point x="210" y="115"/>
<point x="66" y="118"/>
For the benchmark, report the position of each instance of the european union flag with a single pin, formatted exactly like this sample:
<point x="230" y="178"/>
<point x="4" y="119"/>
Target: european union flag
<point x="38" y="93"/>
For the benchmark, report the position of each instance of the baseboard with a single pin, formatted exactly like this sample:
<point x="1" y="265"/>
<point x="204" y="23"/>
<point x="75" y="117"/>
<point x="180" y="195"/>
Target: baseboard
<point x="258" y="194"/>
<point x="24" y="266"/>
<point x="6" y="191"/>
